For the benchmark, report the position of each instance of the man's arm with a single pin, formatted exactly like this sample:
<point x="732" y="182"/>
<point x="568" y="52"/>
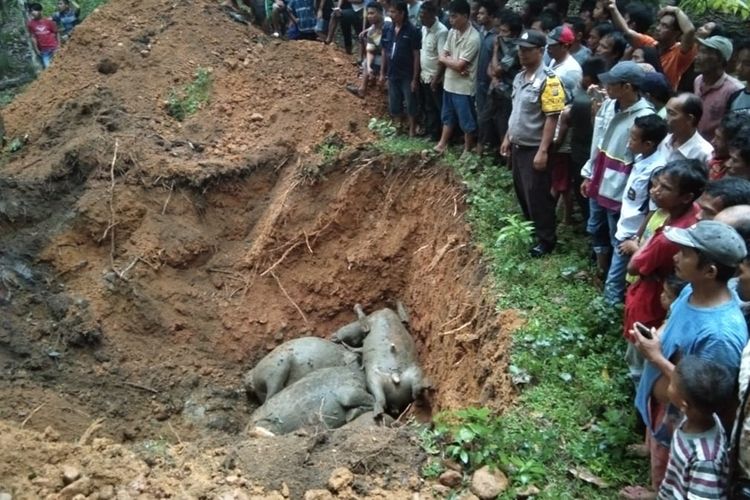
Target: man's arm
<point x="34" y="44"/>
<point x="458" y="65"/>
<point x="548" y="133"/>
<point x="687" y="42"/>
<point x="383" y="63"/>
<point x="416" y="69"/>
<point x="619" y="21"/>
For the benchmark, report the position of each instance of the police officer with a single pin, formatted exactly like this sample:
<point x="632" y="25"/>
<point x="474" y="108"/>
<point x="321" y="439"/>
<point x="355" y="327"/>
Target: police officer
<point x="538" y="99"/>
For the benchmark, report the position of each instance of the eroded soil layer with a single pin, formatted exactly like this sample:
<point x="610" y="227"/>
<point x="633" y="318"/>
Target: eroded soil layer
<point x="146" y="263"/>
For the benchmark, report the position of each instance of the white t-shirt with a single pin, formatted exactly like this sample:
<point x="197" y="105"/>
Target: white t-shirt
<point x="636" y="194"/>
<point x="570" y="73"/>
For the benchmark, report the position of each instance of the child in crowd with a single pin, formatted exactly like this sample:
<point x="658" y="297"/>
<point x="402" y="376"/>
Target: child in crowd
<point x="67" y="17"/>
<point x="738" y="164"/>
<point x="723" y="136"/>
<point x="373" y="54"/>
<point x="697" y="465"/>
<point x="646" y="134"/>
<point x="674" y="191"/>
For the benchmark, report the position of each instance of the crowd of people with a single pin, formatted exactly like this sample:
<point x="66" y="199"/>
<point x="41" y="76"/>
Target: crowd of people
<point x="48" y="33"/>
<point x="634" y="119"/>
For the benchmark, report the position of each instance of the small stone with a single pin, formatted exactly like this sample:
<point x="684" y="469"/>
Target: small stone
<point x="440" y="489"/>
<point x="5" y="496"/>
<point x="318" y="495"/>
<point x="467" y="495"/>
<point x="273" y="495"/>
<point x="414" y="482"/>
<point x="284" y="490"/>
<point x="529" y="491"/>
<point x="107" y="492"/>
<point x="256" y="117"/>
<point x="340" y="479"/>
<point x="70" y="474"/>
<point x="79" y="487"/>
<point x="450" y="464"/>
<point x="51" y="434"/>
<point x="487" y="484"/>
<point x="450" y="478"/>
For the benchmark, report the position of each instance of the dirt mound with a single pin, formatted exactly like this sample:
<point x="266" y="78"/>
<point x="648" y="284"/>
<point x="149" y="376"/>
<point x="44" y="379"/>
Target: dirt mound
<point x="119" y="68"/>
<point x="147" y="263"/>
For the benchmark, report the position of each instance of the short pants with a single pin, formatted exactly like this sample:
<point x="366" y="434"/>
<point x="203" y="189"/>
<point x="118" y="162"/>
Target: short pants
<point x="458" y="109"/>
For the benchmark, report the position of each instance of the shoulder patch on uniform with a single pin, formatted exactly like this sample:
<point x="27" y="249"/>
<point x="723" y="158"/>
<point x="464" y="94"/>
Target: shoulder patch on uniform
<point x="553" y="94"/>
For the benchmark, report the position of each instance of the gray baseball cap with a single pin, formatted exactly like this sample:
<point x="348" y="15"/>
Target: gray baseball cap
<point x="721" y="44"/>
<point x="624" y="72"/>
<point x="717" y="240"/>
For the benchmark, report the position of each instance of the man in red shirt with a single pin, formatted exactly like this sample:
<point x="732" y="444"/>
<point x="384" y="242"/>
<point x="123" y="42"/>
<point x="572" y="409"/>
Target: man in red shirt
<point x="44" y="35"/>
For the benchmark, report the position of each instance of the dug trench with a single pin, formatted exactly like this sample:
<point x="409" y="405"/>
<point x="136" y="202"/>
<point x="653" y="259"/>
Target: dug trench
<point x="136" y="305"/>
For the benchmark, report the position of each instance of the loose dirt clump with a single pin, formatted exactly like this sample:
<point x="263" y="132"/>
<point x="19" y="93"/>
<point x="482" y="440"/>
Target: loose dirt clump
<point x="147" y="263"/>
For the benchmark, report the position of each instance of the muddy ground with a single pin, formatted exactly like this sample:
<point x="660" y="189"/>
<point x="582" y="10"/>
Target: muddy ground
<point x="146" y="263"/>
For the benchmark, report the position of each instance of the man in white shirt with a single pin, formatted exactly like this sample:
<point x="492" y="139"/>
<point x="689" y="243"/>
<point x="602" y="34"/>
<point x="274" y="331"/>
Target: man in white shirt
<point x="434" y="34"/>
<point x="684" y="112"/>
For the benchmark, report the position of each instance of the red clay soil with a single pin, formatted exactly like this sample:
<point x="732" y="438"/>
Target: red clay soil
<point x="137" y="287"/>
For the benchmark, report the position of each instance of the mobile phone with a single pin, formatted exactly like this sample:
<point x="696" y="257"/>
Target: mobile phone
<point x="643" y="329"/>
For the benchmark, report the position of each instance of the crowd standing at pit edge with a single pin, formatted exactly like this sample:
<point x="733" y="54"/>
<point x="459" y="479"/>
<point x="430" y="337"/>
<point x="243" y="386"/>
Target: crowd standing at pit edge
<point x="634" y="120"/>
<point x="629" y="118"/>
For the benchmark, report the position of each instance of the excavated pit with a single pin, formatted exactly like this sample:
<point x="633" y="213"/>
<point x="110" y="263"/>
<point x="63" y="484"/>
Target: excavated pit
<point x="145" y="264"/>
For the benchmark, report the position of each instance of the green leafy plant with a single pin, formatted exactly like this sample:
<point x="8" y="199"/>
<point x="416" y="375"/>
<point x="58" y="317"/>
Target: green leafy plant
<point x="184" y="102"/>
<point x="383" y="128"/>
<point x="737" y="8"/>
<point x="516" y="234"/>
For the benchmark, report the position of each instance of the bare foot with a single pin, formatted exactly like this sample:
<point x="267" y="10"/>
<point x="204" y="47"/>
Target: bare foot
<point x="636" y="493"/>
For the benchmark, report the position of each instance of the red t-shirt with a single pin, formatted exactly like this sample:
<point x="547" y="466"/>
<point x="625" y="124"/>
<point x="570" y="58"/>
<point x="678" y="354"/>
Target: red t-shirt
<point x="45" y="33"/>
<point x="654" y="262"/>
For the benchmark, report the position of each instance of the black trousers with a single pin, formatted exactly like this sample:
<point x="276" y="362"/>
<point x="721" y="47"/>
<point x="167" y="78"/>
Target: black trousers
<point x="493" y="118"/>
<point x="430" y="105"/>
<point x="533" y="191"/>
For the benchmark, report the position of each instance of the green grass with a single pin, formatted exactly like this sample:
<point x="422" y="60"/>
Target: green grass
<point x="184" y="102"/>
<point x="87" y="6"/>
<point x="575" y="407"/>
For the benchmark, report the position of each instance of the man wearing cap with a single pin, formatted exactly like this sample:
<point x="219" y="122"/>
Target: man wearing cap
<point x="705" y="320"/>
<point x="606" y="175"/>
<point x="563" y="64"/>
<point x="713" y="85"/>
<point x="538" y="99"/>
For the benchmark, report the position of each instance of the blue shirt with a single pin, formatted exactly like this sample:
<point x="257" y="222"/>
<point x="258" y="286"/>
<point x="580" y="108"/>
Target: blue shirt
<point x="400" y="49"/>
<point x="714" y="333"/>
<point x="66" y="20"/>
<point x="304" y="11"/>
<point x="483" y="61"/>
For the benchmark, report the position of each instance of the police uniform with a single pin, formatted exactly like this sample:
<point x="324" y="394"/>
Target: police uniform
<point x="534" y="99"/>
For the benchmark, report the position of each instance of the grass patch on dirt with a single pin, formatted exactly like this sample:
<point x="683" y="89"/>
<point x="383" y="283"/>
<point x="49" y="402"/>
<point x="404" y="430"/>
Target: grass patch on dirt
<point x="574" y="410"/>
<point x="184" y="102"/>
<point x="87" y="6"/>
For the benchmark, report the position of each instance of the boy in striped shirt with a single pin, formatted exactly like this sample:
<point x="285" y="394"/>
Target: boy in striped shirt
<point x="697" y="467"/>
